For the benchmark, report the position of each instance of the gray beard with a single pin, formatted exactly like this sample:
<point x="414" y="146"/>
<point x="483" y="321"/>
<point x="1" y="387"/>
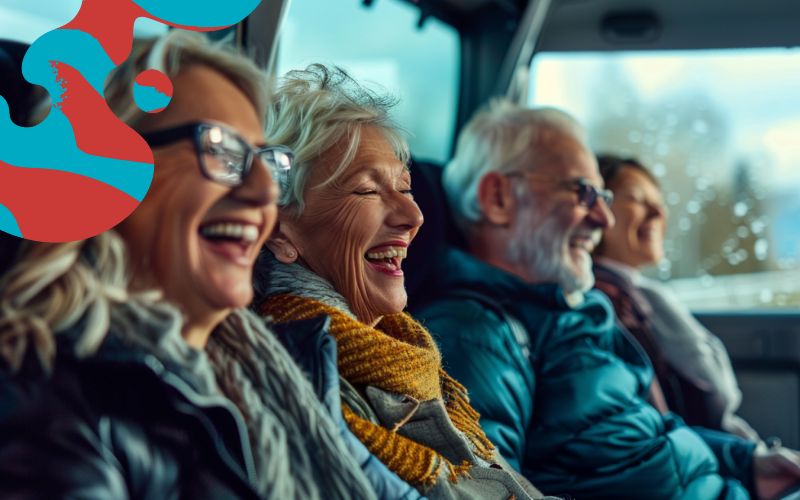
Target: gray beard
<point x="537" y="246"/>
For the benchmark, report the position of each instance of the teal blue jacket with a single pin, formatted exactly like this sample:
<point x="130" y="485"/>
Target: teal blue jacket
<point x="567" y="405"/>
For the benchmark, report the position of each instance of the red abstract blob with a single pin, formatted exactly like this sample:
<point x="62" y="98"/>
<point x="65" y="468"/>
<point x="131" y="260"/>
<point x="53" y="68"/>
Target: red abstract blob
<point x="58" y="206"/>
<point x="111" y="23"/>
<point x="157" y="80"/>
<point x="98" y="131"/>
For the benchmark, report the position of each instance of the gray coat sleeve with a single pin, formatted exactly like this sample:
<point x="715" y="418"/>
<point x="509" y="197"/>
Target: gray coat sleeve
<point x="691" y="349"/>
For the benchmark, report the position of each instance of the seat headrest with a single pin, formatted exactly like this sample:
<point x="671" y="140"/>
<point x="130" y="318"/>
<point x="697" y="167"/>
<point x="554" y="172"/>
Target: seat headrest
<point x="18" y="92"/>
<point x="436" y="233"/>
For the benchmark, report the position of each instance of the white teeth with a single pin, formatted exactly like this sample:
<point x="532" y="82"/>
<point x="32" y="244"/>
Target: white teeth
<point x="245" y="232"/>
<point x="389" y="254"/>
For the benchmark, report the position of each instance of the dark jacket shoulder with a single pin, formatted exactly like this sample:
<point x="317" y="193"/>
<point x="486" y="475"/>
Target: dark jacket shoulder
<point x="118" y="424"/>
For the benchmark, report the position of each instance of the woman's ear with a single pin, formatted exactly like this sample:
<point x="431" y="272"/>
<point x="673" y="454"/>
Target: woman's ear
<point x="280" y="244"/>
<point x="495" y="199"/>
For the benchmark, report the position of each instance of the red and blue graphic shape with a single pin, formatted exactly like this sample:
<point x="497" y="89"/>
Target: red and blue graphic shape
<point x="81" y="171"/>
<point x="152" y="91"/>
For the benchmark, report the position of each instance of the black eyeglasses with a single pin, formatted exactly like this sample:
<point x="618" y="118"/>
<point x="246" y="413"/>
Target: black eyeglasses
<point x="224" y="156"/>
<point x="588" y="194"/>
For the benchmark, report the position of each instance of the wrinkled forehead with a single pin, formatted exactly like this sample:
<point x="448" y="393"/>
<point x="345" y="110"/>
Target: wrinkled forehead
<point x="373" y="156"/>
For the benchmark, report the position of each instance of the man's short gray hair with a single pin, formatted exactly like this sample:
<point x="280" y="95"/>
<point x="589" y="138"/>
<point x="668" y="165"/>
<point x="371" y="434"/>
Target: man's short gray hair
<point x="502" y="137"/>
<point x="316" y="108"/>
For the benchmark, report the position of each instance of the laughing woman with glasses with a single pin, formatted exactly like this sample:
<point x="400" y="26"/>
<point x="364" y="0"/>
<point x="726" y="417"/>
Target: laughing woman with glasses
<point x="111" y="390"/>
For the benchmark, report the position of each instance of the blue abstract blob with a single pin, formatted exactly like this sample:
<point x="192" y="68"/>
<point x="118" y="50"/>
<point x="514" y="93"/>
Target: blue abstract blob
<point x="8" y="223"/>
<point x="149" y="99"/>
<point x="199" y="13"/>
<point x="34" y="147"/>
<point x="72" y="47"/>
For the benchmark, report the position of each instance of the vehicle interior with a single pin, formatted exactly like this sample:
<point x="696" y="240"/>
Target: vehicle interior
<point x="703" y="92"/>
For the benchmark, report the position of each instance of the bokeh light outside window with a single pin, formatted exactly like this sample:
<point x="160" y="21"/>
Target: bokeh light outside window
<point x="721" y="131"/>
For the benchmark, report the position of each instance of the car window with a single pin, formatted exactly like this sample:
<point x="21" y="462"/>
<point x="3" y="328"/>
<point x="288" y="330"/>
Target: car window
<point x="382" y="44"/>
<point x="27" y="20"/>
<point x="719" y="129"/>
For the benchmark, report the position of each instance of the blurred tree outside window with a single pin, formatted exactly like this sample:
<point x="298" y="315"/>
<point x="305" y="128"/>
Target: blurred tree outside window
<point x="720" y="130"/>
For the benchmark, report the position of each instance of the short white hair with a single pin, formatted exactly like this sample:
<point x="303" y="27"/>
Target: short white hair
<point x="316" y="108"/>
<point x="505" y="138"/>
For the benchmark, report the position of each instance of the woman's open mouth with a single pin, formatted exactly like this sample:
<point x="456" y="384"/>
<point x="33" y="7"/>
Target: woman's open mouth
<point x="232" y="240"/>
<point x="387" y="259"/>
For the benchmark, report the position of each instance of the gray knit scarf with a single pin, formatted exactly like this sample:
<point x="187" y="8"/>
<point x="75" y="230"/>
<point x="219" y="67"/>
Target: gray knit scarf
<point x="296" y="446"/>
<point x="273" y="277"/>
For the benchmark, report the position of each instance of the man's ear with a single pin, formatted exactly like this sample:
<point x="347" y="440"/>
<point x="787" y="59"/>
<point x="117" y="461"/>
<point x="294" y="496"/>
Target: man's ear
<point x="496" y="199"/>
<point x="280" y="244"/>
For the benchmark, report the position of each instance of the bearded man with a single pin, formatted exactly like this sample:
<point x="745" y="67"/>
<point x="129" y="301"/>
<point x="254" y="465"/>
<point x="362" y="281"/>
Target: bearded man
<point x="564" y="391"/>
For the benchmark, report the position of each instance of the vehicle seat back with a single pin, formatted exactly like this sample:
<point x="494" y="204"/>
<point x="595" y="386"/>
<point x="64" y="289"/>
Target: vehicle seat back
<point x="18" y="92"/>
<point x="436" y="233"/>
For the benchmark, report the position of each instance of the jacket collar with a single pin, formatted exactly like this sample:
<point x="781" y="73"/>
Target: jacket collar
<point x="144" y="348"/>
<point x="314" y="350"/>
<point x="141" y="333"/>
<point x="276" y="278"/>
<point x="628" y="273"/>
<point x="461" y="270"/>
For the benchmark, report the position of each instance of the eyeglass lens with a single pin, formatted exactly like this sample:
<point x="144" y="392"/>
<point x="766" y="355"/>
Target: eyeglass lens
<point x="588" y="194"/>
<point x="279" y="161"/>
<point x="225" y="155"/>
<point x="228" y="158"/>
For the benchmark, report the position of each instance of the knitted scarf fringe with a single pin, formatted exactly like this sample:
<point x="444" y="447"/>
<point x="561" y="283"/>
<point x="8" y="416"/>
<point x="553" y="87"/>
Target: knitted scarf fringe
<point x="400" y="356"/>
<point x="416" y="464"/>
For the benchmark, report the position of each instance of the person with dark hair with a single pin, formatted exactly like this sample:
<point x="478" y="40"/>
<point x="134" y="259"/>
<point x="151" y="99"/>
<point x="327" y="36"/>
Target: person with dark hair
<point x="691" y="364"/>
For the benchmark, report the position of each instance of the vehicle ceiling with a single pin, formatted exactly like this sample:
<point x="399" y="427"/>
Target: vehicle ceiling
<point x="578" y="25"/>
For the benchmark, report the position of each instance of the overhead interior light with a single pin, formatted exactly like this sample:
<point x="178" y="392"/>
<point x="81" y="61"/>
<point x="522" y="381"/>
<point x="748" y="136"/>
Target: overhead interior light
<point x="640" y="26"/>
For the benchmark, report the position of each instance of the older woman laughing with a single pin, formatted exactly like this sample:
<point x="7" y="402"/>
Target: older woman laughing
<point x="346" y="220"/>
<point x="108" y="393"/>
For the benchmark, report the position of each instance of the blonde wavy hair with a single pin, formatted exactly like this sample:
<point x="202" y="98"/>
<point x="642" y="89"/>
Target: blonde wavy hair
<point x="312" y="111"/>
<point x="53" y="286"/>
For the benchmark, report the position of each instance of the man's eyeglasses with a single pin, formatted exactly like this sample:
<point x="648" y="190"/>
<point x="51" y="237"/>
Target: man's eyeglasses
<point x="588" y="194"/>
<point x="224" y="156"/>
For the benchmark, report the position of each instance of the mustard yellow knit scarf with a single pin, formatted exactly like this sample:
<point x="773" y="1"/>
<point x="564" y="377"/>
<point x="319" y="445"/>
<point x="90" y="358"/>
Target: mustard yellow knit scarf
<point x="400" y="356"/>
